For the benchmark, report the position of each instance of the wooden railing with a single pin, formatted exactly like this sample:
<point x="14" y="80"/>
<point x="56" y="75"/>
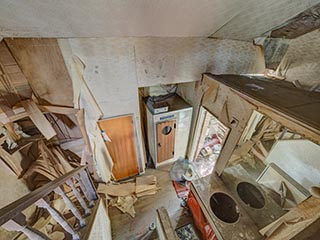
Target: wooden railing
<point x="12" y="218"/>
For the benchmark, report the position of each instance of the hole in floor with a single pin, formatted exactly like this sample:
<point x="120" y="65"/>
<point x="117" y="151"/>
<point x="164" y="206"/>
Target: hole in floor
<point x="224" y="207"/>
<point x="250" y="195"/>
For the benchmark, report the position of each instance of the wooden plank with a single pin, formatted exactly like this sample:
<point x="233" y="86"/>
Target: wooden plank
<point x="58" y="109"/>
<point x="165" y="138"/>
<point x="122" y="147"/>
<point x="118" y="190"/>
<point x="262" y="148"/>
<point x="258" y="155"/>
<point x="146" y="185"/>
<point x="18" y="113"/>
<point x="39" y="119"/>
<point x="164" y="225"/>
<point x="11" y="73"/>
<point x="82" y="126"/>
<point x="43" y="65"/>
<point x="13" y="162"/>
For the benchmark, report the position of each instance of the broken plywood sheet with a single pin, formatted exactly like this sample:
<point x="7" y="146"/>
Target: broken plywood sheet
<point x="145" y="185"/>
<point x="42" y="63"/>
<point x="118" y="190"/>
<point x="146" y="180"/>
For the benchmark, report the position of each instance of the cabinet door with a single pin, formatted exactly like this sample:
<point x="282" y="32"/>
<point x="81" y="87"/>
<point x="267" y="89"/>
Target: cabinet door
<point x="122" y="147"/>
<point x="165" y="137"/>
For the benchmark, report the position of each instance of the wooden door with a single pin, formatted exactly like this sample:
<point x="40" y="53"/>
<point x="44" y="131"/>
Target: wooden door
<point x="165" y="138"/>
<point x="122" y="147"/>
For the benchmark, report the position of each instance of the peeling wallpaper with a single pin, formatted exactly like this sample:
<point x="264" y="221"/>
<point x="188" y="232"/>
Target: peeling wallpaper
<point x="116" y="67"/>
<point x="259" y="17"/>
<point x="303" y="57"/>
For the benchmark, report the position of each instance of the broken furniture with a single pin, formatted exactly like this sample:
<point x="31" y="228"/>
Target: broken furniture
<point x="168" y="131"/>
<point x="124" y="195"/>
<point x="82" y="189"/>
<point x="233" y="100"/>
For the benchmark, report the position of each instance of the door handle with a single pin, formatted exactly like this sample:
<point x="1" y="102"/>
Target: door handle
<point x="159" y="144"/>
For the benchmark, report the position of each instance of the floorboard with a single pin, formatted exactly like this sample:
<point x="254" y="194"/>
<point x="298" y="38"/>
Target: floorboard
<point x="125" y="227"/>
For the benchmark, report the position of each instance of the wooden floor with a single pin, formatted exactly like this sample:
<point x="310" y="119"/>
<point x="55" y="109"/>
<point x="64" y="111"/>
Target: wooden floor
<point x="125" y="227"/>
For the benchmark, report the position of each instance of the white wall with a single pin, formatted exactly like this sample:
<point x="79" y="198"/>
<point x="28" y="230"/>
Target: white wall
<point x="299" y="159"/>
<point x="116" y="67"/>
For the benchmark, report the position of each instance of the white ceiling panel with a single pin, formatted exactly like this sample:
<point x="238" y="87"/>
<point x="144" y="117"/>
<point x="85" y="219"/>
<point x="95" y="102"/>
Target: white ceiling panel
<point x="162" y="18"/>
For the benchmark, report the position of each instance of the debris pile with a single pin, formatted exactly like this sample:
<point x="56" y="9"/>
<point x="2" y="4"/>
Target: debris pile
<point x="124" y="195"/>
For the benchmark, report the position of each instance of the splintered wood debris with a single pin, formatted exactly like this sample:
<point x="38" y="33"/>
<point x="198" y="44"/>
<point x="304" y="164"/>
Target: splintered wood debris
<point x="125" y="204"/>
<point x="117" y="190"/>
<point x="123" y="196"/>
<point x="146" y="185"/>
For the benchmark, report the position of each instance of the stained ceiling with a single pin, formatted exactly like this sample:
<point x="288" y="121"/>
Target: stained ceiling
<point x="232" y="19"/>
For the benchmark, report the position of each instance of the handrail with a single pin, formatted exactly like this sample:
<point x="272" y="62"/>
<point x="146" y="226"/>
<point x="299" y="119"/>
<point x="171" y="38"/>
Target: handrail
<point x="13" y="209"/>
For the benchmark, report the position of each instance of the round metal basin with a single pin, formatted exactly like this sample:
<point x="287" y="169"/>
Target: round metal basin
<point x="224" y="207"/>
<point x="250" y="195"/>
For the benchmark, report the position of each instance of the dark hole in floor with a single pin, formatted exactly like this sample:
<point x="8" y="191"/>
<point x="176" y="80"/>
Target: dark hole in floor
<point x="224" y="207"/>
<point x="250" y="195"/>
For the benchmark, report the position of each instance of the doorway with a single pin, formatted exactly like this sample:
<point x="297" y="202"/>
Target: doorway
<point x="210" y="135"/>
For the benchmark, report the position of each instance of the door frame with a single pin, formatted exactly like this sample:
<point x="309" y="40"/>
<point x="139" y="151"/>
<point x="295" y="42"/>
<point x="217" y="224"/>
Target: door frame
<point x="198" y="130"/>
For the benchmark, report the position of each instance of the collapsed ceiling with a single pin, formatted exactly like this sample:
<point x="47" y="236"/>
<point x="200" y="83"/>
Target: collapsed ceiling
<point x="232" y="19"/>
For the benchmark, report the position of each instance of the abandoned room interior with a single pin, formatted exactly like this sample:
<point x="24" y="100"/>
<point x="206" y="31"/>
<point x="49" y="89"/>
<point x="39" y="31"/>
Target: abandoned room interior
<point x="160" y="120"/>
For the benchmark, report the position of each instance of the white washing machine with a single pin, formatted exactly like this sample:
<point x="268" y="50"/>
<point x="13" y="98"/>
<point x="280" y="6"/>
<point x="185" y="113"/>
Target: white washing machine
<point x="168" y="132"/>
